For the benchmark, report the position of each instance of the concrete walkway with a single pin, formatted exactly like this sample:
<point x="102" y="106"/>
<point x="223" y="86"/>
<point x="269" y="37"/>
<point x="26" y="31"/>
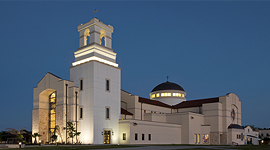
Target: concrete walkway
<point x="172" y="147"/>
<point x="145" y="147"/>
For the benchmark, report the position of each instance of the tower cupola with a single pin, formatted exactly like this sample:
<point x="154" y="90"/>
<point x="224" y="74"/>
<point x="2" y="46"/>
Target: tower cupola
<point x="95" y="43"/>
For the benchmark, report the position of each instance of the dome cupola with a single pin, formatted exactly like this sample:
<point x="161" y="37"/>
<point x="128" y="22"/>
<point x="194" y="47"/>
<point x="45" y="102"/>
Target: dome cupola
<point x="168" y="86"/>
<point x="169" y="93"/>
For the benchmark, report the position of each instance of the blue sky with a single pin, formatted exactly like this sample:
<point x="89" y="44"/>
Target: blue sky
<point x="210" y="48"/>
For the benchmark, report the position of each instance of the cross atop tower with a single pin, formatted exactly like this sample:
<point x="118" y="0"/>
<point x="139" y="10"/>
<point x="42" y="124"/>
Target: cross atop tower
<point x="167" y="78"/>
<point x="95" y="13"/>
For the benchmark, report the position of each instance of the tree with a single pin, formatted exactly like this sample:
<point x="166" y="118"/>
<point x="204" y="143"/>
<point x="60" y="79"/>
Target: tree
<point x="35" y="135"/>
<point x="71" y="130"/>
<point x="57" y="130"/>
<point x="54" y="137"/>
<point x="16" y="132"/>
<point x="1" y="136"/>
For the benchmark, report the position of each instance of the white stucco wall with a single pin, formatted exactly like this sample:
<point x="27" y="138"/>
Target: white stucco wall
<point x="232" y="136"/>
<point x="161" y="133"/>
<point x="94" y="99"/>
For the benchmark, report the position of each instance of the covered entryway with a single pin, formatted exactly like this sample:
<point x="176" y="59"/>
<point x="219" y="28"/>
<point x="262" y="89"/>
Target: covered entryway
<point x="107" y="136"/>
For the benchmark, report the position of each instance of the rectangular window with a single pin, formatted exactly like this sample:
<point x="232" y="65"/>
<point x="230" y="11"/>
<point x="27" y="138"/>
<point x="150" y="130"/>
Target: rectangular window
<point x="195" y="138"/>
<point x="143" y="137"/>
<point x="199" y="138"/>
<point x="107" y="85"/>
<point x="136" y="136"/>
<point x="81" y="113"/>
<point x="149" y="137"/>
<point x="107" y="112"/>
<point x="205" y="138"/>
<point x="124" y="136"/>
<point x="81" y="84"/>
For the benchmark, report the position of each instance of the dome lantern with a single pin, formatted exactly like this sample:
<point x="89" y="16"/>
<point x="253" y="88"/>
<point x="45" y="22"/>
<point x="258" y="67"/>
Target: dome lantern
<point x="169" y="93"/>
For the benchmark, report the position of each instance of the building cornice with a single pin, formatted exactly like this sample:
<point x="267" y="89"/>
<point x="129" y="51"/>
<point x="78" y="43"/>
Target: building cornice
<point x="78" y="49"/>
<point x="95" y="61"/>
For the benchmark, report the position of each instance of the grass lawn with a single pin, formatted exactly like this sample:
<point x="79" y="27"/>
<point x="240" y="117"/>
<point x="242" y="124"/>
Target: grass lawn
<point x="252" y="147"/>
<point x="227" y="147"/>
<point x="71" y="147"/>
<point x="88" y="147"/>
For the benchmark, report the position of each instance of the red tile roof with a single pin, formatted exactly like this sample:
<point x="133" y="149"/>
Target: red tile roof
<point x="184" y="104"/>
<point x="153" y="102"/>
<point x="125" y="112"/>
<point x="196" y="103"/>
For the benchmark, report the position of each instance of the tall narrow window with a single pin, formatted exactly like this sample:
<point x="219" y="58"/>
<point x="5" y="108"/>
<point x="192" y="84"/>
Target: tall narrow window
<point x="52" y="107"/>
<point x="143" y="137"/>
<point x="124" y="136"/>
<point x="107" y="112"/>
<point x="81" y="84"/>
<point x="136" y="136"/>
<point x="102" y="37"/>
<point x="102" y="41"/>
<point x="149" y="137"/>
<point x="195" y="138"/>
<point x="86" y="37"/>
<point x="81" y="113"/>
<point x="107" y="85"/>
<point x="199" y="138"/>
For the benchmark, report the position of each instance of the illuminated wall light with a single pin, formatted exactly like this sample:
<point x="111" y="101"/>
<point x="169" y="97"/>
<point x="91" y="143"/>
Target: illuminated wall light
<point x="157" y="95"/>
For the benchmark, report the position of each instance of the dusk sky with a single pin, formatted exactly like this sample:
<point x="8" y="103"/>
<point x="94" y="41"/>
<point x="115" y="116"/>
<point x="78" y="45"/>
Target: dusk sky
<point x="209" y="48"/>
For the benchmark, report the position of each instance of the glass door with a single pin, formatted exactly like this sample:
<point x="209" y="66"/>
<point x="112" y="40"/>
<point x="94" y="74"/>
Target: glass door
<point x="107" y="135"/>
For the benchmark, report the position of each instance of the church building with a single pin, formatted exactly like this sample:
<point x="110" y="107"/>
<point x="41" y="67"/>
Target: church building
<point x="104" y="114"/>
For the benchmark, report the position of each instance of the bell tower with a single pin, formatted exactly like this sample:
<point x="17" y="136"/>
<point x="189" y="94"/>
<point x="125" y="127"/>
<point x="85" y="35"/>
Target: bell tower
<point x="94" y="32"/>
<point x="98" y="77"/>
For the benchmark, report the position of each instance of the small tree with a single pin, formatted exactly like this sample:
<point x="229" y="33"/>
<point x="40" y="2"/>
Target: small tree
<point x="35" y="135"/>
<point x="54" y="137"/>
<point x="19" y="134"/>
<point x="1" y="136"/>
<point x="71" y="130"/>
<point x="57" y="130"/>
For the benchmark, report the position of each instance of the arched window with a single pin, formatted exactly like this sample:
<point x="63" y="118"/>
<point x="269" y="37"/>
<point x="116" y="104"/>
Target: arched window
<point x="52" y="106"/>
<point x="86" y="37"/>
<point x="102" y="37"/>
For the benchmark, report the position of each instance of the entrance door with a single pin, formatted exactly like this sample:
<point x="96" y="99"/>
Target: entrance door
<point x="107" y="137"/>
<point x="249" y="142"/>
